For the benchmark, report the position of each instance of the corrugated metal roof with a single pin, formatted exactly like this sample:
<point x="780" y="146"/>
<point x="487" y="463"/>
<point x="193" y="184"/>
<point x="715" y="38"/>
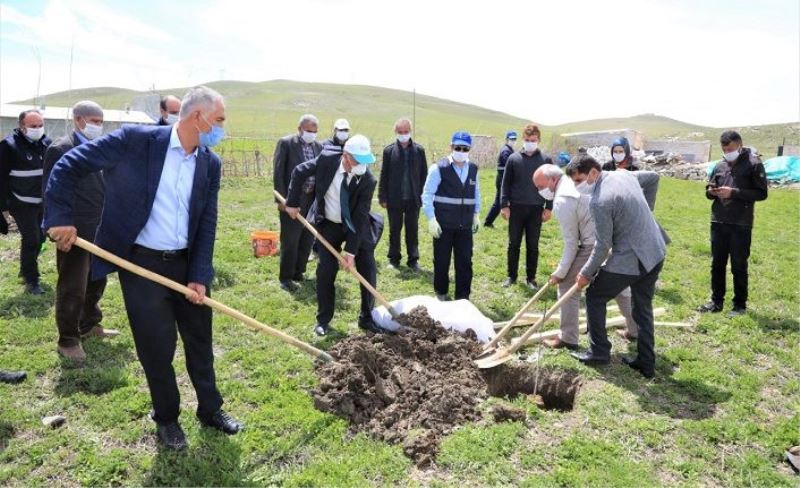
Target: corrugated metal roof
<point x="64" y="113"/>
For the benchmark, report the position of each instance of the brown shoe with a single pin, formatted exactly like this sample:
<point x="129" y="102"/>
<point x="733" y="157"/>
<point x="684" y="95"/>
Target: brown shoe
<point x="100" y="332"/>
<point x="75" y="353"/>
<point x="557" y="343"/>
<point x="626" y="335"/>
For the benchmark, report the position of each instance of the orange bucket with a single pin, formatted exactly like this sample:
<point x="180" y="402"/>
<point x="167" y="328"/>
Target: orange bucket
<point x="264" y="242"/>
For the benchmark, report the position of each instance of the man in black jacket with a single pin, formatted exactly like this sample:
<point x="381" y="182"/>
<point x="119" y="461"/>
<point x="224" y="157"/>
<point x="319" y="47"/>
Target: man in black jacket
<point x="343" y="195"/>
<point x="21" y="161"/>
<point x="734" y="186"/>
<point x="78" y="314"/>
<point x="170" y="106"/>
<point x="523" y="207"/>
<point x="403" y="174"/>
<point x="341" y="132"/>
<point x="291" y="151"/>
<point x="502" y="158"/>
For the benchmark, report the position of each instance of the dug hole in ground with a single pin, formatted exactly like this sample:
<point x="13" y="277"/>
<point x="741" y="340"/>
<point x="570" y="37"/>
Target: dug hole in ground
<point x="415" y="387"/>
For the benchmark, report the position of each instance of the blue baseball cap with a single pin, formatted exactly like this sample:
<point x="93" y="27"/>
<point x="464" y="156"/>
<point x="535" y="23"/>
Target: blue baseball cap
<point x="511" y="134"/>
<point x="461" y="139"/>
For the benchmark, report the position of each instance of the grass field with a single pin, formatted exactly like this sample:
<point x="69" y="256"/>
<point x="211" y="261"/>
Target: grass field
<point x="724" y="406"/>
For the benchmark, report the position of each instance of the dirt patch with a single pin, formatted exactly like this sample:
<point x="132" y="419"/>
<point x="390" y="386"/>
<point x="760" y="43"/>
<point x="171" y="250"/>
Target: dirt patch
<point x="414" y="387"/>
<point x="503" y="413"/>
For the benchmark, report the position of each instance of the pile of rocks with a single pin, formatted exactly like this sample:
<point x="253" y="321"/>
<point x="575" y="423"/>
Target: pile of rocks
<point x="674" y="166"/>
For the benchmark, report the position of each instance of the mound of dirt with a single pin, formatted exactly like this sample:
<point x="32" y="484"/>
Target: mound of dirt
<point x="414" y="387"/>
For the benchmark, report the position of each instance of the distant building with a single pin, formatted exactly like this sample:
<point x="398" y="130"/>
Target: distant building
<point x="574" y="140"/>
<point x="690" y="151"/>
<point x="58" y="120"/>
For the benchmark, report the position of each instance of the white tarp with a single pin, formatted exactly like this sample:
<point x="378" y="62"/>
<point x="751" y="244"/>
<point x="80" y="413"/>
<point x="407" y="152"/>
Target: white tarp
<point x="458" y="315"/>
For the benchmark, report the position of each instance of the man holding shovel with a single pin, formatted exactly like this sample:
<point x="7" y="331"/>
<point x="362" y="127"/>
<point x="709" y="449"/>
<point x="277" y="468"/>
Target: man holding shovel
<point x="571" y="208"/>
<point x="160" y="213"/>
<point x="341" y="214"/>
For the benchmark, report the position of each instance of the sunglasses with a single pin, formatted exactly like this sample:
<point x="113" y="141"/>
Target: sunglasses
<point x="461" y="148"/>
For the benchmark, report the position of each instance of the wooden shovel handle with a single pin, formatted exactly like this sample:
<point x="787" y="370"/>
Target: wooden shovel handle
<point x="544" y="318"/>
<point x="516" y="317"/>
<point x="339" y="256"/>
<point x="253" y="323"/>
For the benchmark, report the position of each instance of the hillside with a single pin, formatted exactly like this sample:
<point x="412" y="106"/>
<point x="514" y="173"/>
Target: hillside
<point x="270" y="109"/>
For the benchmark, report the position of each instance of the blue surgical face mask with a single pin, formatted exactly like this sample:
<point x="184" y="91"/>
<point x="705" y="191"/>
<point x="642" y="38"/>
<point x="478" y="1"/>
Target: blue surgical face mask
<point x="213" y="136"/>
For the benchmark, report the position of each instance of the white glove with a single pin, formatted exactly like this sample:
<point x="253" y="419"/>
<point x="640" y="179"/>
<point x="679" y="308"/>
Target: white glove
<point x="434" y="228"/>
<point x="476" y="223"/>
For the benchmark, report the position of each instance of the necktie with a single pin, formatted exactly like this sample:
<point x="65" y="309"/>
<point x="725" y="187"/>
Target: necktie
<point x="344" y="203"/>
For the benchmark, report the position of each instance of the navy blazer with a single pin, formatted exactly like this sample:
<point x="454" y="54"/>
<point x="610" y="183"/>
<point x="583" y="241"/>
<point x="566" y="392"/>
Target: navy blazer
<point x="132" y="159"/>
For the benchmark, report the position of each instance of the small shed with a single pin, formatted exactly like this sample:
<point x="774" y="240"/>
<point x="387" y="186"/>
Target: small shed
<point x="58" y="120"/>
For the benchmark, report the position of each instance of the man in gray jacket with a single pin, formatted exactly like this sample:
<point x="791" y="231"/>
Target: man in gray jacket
<point x="571" y="209"/>
<point x="624" y="226"/>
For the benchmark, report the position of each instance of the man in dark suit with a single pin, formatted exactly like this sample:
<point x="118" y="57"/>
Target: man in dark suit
<point x="296" y="241"/>
<point x="406" y="167"/>
<point x="78" y="314"/>
<point x="343" y="195"/>
<point x="160" y="213"/>
<point x="170" y="106"/>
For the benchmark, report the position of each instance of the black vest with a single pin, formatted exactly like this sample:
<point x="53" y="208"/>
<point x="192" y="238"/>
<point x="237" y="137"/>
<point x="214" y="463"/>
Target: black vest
<point x="26" y="160"/>
<point x="454" y="202"/>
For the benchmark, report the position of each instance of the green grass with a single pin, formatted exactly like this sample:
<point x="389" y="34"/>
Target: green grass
<point x="269" y="110"/>
<point x="723" y="408"/>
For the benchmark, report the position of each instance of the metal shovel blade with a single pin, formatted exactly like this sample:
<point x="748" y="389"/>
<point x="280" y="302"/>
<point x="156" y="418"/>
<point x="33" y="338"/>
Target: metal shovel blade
<point x="499" y="357"/>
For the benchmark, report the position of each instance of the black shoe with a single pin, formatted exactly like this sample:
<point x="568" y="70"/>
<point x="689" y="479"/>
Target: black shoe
<point x="590" y="358"/>
<point x="508" y="282"/>
<point x="711" y="306"/>
<point x="369" y="326"/>
<point x="12" y="376"/>
<point x="222" y="422"/>
<point x="393" y="265"/>
<point x="299" y="279"/>
<point x="289" y="286"/>
<point x="532" y="285"/>
<point x="171" y="435"/>
<point x="321" y="329"/>
<point x="488" y="225"/>
<point x="633" y="363"/>
<point x="414" y="267"/>
<point x="33" y="288"/>
<point x="736" y="311"/>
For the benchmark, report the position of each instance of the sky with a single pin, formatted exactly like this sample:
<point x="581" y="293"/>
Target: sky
<point x="718" y="63"/>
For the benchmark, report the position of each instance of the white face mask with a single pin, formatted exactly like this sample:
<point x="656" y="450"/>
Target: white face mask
<point x="309" y="137"/>
<point x="342" y="135"/>
<point x="619" y="157"/>
<point x="585" y="187"/>
<point x="732" y="156"/>
<point x="460" y="157"/>
<point x="547" y="193"/>
<point x="511" y="142"/>
<point x="92" y="131"/>
<point x="172" y="118"/>
<point x="34" y="134"/>
<point x="359" y="169"/>
<point x="530" y="147"/>
<point x="403" y="138"/>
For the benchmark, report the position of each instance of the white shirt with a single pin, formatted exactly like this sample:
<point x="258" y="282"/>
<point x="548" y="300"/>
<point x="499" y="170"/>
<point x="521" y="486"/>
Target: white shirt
<point x="167" y="227"/>
<point x="333" y="206"/>
<point x="571" y="208"/>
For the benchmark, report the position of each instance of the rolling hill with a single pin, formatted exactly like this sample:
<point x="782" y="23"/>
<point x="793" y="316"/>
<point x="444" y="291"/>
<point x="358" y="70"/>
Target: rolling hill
<point x="270" y="109"/>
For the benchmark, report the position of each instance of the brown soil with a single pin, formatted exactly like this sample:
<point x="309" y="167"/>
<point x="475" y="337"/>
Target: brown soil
<point x="414" y="387"/>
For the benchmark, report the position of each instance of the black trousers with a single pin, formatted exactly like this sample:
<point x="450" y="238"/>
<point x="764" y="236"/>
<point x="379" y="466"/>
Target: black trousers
<point x="734" y="241"/>
<point x="527" y="220"/>
<point x="608" y="285"/>
<point x="495" y="210"/>
<point x="458" y="243"/>
<point x="295" y="248"/>
<point x="328" y="268"/>
<point x="406" y="214"/>
<point x="156" y="315"/>
<point x="77" y="297"/>
<point x="29" y="223"/>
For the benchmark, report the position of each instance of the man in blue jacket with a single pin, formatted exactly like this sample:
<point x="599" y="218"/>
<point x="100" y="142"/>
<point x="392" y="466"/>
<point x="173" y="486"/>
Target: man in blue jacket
<point x="505" y="152"/>
<point x="160" y="213"/>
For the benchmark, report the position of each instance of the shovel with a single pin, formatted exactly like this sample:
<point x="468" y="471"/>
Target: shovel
<point x="339" y="256"/>
<point x="490" y="348"/>
<point x="501" y="356"/>
<point x="251" y="322"/>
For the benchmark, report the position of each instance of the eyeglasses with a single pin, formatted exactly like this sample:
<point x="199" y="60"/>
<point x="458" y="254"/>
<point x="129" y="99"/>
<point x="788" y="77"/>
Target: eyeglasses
<point x="461" y="148"/>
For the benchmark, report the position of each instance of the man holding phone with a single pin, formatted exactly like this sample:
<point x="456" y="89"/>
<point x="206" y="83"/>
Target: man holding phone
<point x="734" y="185"/>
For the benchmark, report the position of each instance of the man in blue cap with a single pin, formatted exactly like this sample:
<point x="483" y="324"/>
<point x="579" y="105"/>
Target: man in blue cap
<point x="505" y="152"/>
<point x="451" y="200"/>
<point x="341" y="213"/>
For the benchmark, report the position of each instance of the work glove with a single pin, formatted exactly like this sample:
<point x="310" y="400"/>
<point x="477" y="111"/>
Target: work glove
<point x="434" y="228"/>
<point x="476" y="223"/>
